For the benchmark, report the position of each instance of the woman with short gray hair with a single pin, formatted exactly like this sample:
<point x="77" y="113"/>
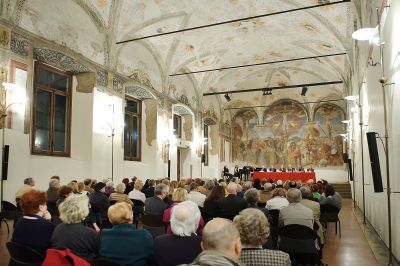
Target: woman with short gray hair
<point x="252" y="197"/>
<point x="183" y="245"/>
<point x="254" y="231"/>
<point x="72" y="234"/>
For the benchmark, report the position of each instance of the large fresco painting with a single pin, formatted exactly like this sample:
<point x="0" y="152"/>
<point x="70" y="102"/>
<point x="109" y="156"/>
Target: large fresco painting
<point x="286" y="138"/>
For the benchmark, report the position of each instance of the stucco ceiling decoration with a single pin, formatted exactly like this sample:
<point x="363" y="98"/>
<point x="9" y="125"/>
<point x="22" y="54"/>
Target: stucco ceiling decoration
<point x="182" y="110"/>
<point x="138" y="92"/>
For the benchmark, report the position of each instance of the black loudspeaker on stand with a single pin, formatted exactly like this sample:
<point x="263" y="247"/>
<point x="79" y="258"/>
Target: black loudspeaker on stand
<point x="169" y="169"/>
<point x="374" y="157"/>
<point x="4" y="165"/>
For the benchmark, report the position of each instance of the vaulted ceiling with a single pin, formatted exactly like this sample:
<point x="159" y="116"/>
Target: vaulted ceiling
<point x="93" y="28"/>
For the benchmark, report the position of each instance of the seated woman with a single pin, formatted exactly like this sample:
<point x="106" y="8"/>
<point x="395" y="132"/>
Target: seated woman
<point x="119" y="195"/>
<point x="136" y="193"/>
<point x="183" y="245"/>
<point x="211" y="204"/>
<point x="331" y="197"/>
<point x="253" y="228"/>
<point x="252" y="196"/>
<point x="123" y="243"/>
<point x="278" y="200"/>
<point x="34" y="229"/>
<point x="180" y="195"/>
<point x="72" y="234"/>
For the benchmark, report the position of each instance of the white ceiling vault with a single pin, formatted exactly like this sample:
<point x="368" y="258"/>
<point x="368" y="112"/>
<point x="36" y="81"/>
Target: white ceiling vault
<point x="93" y="27"/>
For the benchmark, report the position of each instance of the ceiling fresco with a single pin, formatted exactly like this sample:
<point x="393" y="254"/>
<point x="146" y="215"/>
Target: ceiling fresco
<point x="93" y="27"/>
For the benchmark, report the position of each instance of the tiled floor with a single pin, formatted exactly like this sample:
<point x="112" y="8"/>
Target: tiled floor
<point x="352" y="249"/>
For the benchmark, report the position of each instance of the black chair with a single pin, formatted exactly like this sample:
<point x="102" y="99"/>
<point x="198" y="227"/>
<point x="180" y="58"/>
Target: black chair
<point x="10" y="211"/>
<point x="95" y="216"/>
<point x="300" y="242"/>
<point x="154" y="224"/>
<point x="23" y="255"/>
<point x="261" y="204"/>
<point x="138" y="210"/>
<point x="112" y="202"/>
<point x="274" y="228"/>
<point x="330" y="214"/>
<point x="104" y="262"/>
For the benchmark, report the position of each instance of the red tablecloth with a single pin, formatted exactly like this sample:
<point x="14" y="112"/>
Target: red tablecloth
<point x="293" y="176"/>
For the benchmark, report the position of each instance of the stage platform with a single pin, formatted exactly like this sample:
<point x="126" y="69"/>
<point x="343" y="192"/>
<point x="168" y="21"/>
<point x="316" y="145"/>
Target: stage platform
<point x="293" y="176"/>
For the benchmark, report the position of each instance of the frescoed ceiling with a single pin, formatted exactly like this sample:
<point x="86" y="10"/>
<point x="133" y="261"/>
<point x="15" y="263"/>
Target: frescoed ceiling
<point x="92" y="28"/>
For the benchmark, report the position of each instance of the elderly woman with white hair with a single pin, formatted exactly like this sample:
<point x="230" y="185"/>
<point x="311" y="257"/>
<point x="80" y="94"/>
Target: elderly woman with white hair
<point x="254" y="231"/>
<point x="119" y="195"/>
<point x="183" y="245"/>
<point x="72" y="234"/>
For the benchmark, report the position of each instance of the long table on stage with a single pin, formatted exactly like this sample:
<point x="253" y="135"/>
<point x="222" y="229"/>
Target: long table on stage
<point x="293" y="176"/>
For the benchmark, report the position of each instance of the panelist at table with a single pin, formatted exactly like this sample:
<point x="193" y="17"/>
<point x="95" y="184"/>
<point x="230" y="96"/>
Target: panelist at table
<point x="272" y="168"/>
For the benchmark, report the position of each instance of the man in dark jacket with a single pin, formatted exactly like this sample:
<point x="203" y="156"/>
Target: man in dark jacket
<point x="232" y="204"/>
<point x="99" y="201"/>
<point x="155" y="205"/>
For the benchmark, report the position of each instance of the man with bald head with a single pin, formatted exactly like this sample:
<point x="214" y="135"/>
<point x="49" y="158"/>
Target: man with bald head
<point x="220" y="243"/>
<point x="231" y="205"/>
<point x="296" y="213"/>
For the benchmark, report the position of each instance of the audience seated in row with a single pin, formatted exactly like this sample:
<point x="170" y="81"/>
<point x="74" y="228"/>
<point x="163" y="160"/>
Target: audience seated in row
<point x="155" y="205"/>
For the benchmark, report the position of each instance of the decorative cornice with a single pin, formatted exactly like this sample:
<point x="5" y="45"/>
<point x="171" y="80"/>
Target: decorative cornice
<point x="59" y="60"/>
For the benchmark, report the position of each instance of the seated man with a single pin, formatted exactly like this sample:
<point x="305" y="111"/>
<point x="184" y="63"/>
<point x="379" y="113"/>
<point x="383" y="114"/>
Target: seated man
<point x="295" y="213"/>
<point x="221" y="244"/>
<point x="155" y="205"/>
<point x="272" y="168"/>
<point x="290" y="168"/>
<point x="300" y="169"/>
<point x="195" y="196"/>
<point x="266" y="194"/>
<point x="231" y="205"/>
<point x="226" y="172"/>
<point x="282" y="169"/>
<point x="29" y="183"/>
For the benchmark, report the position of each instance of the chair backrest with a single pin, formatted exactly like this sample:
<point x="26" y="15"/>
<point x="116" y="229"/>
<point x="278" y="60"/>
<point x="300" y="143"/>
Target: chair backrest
<point x="112" y="202"/>
<point x="152" y="220"/>
<point x="297" y="239"/>
<point x="275" y="217"/>
<point x="137" y="202"/>
<point x="8" y="206"/>
<point x="329" y="213"/>
<point x="154" y="224"/>
<point x="24" y="255"/>
<point x="328" y="208"/>
<point x="104" y="262"/>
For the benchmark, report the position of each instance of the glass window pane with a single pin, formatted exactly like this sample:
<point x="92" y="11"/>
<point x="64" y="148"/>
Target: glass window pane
<point x="135" y="136"/>
<point x="126" y="135"/>
<point x="60" y="123"/>
<point x="42" y="120"/>
<point x="53" y="80"/>
<point x="131" y="106"/>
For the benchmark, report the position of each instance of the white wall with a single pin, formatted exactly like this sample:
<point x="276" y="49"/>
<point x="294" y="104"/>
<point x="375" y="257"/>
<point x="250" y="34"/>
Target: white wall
<point x="373" y="116"/>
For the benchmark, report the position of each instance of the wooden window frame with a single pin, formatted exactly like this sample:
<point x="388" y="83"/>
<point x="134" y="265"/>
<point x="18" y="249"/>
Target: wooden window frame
<point x="139" y="115"/>
<point x="178" y="132"/>
<point x="53" y="92"/>
<point x="205" y="148"/>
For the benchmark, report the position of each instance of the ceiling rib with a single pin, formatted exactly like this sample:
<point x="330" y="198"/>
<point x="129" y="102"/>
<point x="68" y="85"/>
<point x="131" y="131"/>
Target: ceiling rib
<point x="251" y="107"/>
<point x="234" y="20"/>
<point x="276" y="88"/>
<point x="257" y="64"/>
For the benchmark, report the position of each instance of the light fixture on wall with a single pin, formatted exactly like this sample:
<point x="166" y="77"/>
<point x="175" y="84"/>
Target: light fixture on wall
<point x="344" y="135"/>
<point x="367" y="34"/>
<point x="227" y="97"/>
<point x="351" y="98"/>
<point x="304" y="91"/>
<point x="346" y="121"/>
<point x="267" y="92"/>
